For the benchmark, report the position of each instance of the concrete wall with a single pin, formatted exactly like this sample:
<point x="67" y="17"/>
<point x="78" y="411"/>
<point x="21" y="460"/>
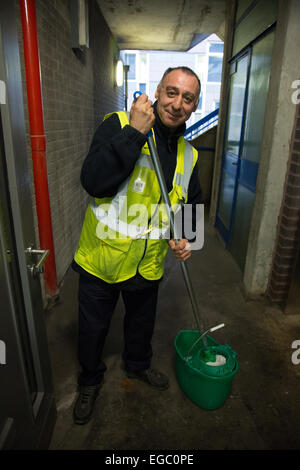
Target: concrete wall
<point x="279" y="123"/>
<point x="77" y="91"/>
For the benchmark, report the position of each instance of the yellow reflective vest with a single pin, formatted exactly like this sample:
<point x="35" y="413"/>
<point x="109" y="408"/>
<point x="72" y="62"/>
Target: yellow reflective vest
<point x="124" y="234"/>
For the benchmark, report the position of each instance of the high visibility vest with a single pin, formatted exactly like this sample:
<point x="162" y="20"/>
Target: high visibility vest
<point x="126" y="233"/>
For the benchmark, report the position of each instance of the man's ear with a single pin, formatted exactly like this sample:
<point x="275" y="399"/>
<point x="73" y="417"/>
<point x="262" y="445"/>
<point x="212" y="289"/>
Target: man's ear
<point x="156" y="94"/>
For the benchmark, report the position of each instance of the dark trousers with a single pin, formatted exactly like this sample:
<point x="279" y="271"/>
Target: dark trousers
<point x="97" y="301"/>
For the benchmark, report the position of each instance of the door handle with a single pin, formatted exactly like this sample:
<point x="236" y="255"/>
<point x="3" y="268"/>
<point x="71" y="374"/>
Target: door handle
<point x="234" y="163"/>
<point x="37" y="268"/>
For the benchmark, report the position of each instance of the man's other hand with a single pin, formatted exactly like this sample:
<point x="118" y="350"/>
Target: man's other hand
<point x="181" y="249"/>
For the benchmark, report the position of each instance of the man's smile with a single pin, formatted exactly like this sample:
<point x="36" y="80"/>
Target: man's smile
<point x="173" y="116"/>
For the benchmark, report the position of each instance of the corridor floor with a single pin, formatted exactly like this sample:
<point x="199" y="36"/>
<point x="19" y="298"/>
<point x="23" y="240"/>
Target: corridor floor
<point x="263" y="408"/>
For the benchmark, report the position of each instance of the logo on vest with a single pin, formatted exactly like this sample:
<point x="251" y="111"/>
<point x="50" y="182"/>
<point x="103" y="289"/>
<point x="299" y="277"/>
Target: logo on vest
<point x="139" y="185"/>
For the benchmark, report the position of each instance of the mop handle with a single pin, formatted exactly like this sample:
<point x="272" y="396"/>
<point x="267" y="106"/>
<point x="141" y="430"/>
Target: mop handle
<point x="160" y="176"/>
<point x="165" y="195"/>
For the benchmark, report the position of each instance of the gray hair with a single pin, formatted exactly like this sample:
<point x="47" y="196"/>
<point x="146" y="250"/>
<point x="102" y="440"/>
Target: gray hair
<point x="184" y="69"/>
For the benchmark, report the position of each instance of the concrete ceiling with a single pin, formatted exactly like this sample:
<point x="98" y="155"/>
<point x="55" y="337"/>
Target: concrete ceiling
<point x="166" y="25"/>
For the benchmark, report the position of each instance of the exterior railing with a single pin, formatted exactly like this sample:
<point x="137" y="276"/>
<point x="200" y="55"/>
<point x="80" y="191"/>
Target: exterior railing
<point x="202" y="125"/>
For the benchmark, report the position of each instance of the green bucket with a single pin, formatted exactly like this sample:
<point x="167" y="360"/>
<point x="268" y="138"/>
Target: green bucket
<point x="203" y="386"/>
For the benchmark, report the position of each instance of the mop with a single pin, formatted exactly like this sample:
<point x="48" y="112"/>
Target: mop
<point x="209" y="356"/>
<point x="206" y="374"/>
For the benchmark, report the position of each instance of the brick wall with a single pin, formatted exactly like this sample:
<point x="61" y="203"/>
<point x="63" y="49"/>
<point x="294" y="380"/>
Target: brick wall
<point x="78" y="90"/>
<point x="288" y="232"/>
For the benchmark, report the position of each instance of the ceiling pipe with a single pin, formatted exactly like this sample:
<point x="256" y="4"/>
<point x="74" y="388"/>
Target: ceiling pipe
<point x="38" y="141"/>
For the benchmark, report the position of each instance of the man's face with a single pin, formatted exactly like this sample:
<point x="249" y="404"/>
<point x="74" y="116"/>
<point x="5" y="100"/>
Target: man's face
<point x="177" y="98"/>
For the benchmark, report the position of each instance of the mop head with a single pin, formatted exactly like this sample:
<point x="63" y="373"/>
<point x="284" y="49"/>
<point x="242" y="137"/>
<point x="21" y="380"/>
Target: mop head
<point x="207" y="355"/>
<point x="219" y="361"/>
<point x="211" y="358"/>
<point x="214" y="360"/>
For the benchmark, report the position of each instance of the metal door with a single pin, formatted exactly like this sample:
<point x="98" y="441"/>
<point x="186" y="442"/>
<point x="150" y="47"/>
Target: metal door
<point x="249" y="84"/>
<point x="232" y="145"/>
<point x="259" y="74"/>
<point x="27" y="406"/>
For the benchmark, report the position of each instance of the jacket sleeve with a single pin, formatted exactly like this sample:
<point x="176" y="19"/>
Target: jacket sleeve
<point x="111" y="158"/>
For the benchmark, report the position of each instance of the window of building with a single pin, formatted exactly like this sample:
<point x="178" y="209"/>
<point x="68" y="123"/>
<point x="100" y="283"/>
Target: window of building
<point x="130" y="59"/>
<point x="143" y="67"/>
<point x="201" y="67"/>
<point x="216" y="47"/>
<point x="214" y="69"/>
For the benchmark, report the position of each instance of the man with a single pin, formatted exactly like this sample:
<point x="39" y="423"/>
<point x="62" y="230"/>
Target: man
<point x="115" y="254"/>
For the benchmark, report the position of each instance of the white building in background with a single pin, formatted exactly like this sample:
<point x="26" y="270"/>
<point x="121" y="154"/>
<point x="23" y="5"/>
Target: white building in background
<point x="147" y="68"/>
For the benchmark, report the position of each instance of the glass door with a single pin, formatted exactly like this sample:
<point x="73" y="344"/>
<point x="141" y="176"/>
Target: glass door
<point x="232" y="145"/>
<point x="249" y="85"/>
<point x="27" y="406"/>
<point x="251" y="146"/>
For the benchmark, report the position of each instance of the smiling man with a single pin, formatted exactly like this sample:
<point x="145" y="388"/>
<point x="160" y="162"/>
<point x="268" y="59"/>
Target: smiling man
<point x="177" y="96"/>
<point x="112" y="256"/>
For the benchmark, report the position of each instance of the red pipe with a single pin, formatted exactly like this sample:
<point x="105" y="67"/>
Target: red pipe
<point x="38" y="140"/>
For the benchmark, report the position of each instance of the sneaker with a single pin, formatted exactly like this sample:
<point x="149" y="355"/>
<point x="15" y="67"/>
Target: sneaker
<point x="151" y="377"/>
<point x="84" y="405"/>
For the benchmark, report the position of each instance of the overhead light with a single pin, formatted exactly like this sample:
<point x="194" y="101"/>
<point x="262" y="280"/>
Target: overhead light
<point x="119" y="73"/>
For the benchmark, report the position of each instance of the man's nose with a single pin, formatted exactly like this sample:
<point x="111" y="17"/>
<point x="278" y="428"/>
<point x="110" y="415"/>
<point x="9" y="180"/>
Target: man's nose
<point x="177" y="103"/>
